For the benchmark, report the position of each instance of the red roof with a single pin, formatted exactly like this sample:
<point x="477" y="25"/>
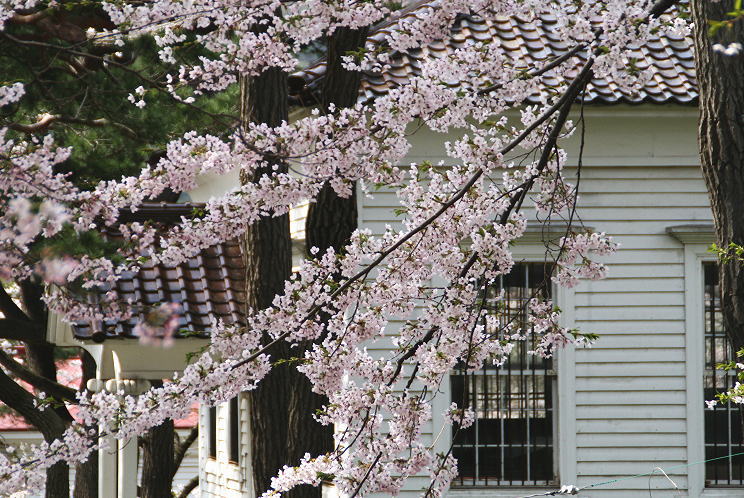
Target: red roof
<point x="69" y="374"/>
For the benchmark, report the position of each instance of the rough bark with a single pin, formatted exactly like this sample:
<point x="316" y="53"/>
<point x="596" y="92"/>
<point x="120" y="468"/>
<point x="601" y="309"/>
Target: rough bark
<point x="268" y="260"/>
<point x="157" y="461"/>
<point x="47" y="422"/>
<point x="86" y="474"/>
<point x="721" y="141"/>
<point x="330" y="223"/>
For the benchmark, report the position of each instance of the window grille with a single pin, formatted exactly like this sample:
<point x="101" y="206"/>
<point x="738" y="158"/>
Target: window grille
<point x="234" y="431"/>
<point x="723" y="423"/>
<point x="511" y="441"/>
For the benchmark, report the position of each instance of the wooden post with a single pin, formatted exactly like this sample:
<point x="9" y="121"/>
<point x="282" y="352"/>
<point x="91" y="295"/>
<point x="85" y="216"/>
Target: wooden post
<point x="107" y="470"/>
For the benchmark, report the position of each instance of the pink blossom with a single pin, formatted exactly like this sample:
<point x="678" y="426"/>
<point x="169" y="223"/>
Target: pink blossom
<point x="56" y="270"/>
<point x="411" y="290"/>
<point x="159" y="325"/>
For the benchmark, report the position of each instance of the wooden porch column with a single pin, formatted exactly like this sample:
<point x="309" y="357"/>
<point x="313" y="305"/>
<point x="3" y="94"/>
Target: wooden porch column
<point x="127" y="468"/>
<point x="107" y="470"/>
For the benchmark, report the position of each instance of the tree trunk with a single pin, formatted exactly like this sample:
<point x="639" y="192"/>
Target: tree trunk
<point x="86" y="474"/>
<point x="721" y="136"/>
<point x="51" y="422"/>
<point x="268" y="260"/>
<point x="331" y="221"/>
<point x="47" y="422"/>
<point x="157" y="461"/>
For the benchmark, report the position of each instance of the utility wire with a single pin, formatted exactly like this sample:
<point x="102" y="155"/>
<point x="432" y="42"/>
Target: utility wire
<point x="572" y="490"/>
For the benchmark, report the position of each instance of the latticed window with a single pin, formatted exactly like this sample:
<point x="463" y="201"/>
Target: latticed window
<point x="212" y="421"/>
<point x="511" y="441"/>
<point x="722" y="423"/>
<point x="235" y="430"/>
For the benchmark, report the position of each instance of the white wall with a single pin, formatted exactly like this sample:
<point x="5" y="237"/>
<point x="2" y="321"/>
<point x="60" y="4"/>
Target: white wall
<point x="628" y="392"/>
<point x="623" y="404"/>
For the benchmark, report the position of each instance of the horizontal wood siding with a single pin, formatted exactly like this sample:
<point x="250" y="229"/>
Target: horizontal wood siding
<point x="630" y="387"/>
<point x="640" y="176"/>
<point x="218" y="478"/>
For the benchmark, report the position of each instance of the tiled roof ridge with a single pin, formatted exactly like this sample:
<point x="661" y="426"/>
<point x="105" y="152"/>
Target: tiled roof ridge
<point x="670" y="59"/>
<point x="159" y="211"/>
<point x="209" y="286"/>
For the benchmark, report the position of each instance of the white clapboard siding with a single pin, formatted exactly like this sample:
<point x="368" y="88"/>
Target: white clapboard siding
<point x="218" y="478"/>
<point x="640" y="176"/>
<point x="630" y="393"/>
<point x="627" y="393"/>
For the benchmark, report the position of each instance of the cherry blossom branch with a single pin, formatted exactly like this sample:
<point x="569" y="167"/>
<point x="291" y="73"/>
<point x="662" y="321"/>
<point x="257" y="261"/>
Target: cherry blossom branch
<point x="46" y="120"/>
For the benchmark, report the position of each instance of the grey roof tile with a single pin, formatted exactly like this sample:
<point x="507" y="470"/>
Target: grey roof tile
<point x="529" y="42"/>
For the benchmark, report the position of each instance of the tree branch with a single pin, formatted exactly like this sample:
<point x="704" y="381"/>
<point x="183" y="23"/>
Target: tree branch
<point x="21" y="330"/>
<point x="32" y="293"/>
<point x="182" y="448"/>
<point x="48" y="386"/>
<point x="30" y="18"/>
<point x="47" y="422"/>
<point x="9" y="308"/>
<point x="193" y="483"/>
<point x="661" y="6"/>
<point x="46" y="120"/>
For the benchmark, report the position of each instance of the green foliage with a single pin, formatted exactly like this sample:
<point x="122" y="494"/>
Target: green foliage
<point x="69" y="242"/>
<point x="577" y="334"/>
<point x="732" y="252"/>
<point x="94" y="89"/>
<point x="733" y="16"/>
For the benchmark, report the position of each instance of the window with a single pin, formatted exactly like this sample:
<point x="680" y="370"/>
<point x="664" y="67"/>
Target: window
<point x="511" y="441"/>
<point x="212" y="416"/>
<point x="234" y="430"/>
<point x="723" y="435"/>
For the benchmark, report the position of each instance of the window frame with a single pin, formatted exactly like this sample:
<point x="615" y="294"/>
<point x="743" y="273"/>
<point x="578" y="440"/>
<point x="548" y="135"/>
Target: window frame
<point x="696" y="240"/>
<point x="476" y="384"/>
<point x="531" y="249"/>
<point x="726" y="408"/>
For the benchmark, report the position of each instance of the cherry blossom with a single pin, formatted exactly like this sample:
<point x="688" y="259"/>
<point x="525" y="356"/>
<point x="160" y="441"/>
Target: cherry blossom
<point x="418" y="286"/>
<point x="159" y="325"/>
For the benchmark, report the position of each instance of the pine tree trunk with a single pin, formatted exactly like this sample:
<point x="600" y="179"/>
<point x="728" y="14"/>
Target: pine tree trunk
<point x="721" y="136"/>
<point x="158" y="451"/>
<point x="157" y="461"/>
<point x="268" y="259"/>
<point x="86" y="474"/>
<point x="331" y="221"/>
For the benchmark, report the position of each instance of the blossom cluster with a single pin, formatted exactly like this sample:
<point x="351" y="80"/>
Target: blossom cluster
<point x="417" y="286"/>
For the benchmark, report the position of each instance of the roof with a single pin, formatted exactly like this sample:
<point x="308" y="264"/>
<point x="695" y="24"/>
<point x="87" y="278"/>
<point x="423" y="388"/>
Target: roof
<point x="69" y="373"/>
<point x="209" y="286"/>
<point x="670" y="59"/>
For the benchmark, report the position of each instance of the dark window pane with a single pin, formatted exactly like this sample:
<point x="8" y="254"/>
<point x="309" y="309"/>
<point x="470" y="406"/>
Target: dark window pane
<point x="723" y="435"/>
<point x="212" y="415"/>
<point x="511" y="441"/>
<point x="234" y="431"/>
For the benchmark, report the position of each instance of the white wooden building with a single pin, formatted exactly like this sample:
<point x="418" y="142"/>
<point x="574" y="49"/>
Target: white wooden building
<point x="633" y="403"/>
